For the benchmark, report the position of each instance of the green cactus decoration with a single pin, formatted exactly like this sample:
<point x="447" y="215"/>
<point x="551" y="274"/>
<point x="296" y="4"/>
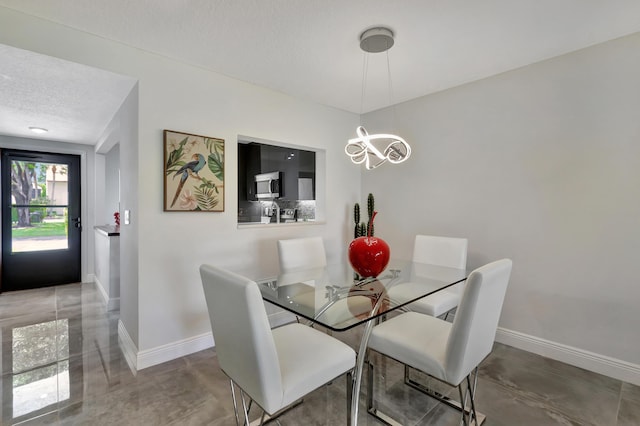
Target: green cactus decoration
<point x="356" y="219"/>
<point x="362" y="229"/>
<point x="370" y="210"/>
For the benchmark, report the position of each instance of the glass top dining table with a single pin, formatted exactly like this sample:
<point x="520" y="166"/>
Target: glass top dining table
<point x="335" y="298"/>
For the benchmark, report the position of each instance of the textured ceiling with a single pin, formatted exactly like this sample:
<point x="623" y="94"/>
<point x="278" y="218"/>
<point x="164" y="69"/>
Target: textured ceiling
<point x="309" y="48"/>
<point x="74" y="102"/>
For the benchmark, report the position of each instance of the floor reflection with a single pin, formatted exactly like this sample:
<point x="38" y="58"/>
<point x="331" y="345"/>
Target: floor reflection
<point x="38" y="379"/>
<point x="56" y="343"/>
<point x="36" y="356"/>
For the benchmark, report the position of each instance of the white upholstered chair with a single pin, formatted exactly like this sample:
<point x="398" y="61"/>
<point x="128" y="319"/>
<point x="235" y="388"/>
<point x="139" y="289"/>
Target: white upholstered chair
<point x="442" y="251"/>
<point x="307" y="255"/>
<point x="450" y="352"/>
<point x="274" y="368"/>
<point x="300" y="253"/>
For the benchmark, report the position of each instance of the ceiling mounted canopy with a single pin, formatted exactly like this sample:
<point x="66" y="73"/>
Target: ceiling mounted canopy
<point x="374" y="150"/>
<point x="376" y="40"/>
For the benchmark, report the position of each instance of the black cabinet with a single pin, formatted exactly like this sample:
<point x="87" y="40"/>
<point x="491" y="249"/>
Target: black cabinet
<point x="285" y="161"/>
<point x="294" y="164"/>
<point x="248" y="166"/>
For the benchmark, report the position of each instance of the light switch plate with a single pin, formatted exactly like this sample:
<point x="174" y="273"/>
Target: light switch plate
<point x="127" y="217"/>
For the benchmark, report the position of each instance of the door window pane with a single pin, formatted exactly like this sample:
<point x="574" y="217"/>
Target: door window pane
<point x="44" y="233"/>
<point x="39" y="198"/>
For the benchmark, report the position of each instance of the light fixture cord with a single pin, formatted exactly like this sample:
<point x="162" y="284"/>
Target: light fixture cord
<point x="393" y="107"/>
<point x="365" y="69"/>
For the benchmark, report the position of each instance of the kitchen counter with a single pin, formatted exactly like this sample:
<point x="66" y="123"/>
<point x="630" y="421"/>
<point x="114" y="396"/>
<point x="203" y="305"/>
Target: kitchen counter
<point x="108" y="230"/>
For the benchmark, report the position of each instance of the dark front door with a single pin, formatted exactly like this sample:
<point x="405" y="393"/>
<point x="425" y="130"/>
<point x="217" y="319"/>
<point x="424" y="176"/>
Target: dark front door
<point x="40" y="219"/>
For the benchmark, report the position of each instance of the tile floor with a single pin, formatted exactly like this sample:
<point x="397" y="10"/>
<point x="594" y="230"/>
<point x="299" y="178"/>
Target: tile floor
<point x="61" y="364"/>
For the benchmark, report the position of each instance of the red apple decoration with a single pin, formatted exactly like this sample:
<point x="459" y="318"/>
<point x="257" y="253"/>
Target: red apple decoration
<point x="369" y="255"/>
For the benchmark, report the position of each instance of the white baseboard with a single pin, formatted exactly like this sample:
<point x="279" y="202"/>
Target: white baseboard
<point x="168" y="352"/>
<point x="597" y="363"/>
<point x="129" y="348"/>
<point x="103" y="293"/>
<point x="112" y="304"/>
<point x="164" y="353"/>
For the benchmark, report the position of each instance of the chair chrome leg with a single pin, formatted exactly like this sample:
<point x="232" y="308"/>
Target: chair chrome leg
<point x="244" y="408"/>
<point x="475" y="380"/>
<point x="235" y="404"/>
<point x="472" y="393"/>
<point x="463" y="399"/>
<point x="266" y="417"/>
<point x="469" y="416"/>
<point x="460" y="406"/>
<point x="349" y="397"/>
<point x="466" y="414"/>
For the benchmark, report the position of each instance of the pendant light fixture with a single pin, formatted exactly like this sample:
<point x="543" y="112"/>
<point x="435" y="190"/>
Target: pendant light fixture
<point x="376" y="149"/>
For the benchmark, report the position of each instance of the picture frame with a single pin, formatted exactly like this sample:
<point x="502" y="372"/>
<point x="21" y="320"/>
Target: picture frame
<point x="193" y="172"/>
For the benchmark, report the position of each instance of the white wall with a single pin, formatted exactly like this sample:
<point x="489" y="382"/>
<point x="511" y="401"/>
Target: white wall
<point x="541" y="165"/>
<point x="112" y="185"/>
<point x="176" y="97"/>
<point x="124" y="131"/>
<point x="162" y="251"/>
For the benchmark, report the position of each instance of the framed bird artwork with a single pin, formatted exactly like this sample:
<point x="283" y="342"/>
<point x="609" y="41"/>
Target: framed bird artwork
<point x="193" y="173"/>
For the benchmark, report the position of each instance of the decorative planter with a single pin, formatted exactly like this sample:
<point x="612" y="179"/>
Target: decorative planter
<point x="369" y="255"/>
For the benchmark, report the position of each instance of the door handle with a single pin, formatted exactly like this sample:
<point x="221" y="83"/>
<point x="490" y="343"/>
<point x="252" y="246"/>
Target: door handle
<point x="77" y="223"/>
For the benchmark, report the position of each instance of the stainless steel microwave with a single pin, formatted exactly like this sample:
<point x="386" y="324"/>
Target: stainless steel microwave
<point x="268" y="185"/>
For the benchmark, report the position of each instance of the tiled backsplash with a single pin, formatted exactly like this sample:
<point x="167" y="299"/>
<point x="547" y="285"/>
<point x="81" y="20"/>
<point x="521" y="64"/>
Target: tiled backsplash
<point x="253" y="211"/>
